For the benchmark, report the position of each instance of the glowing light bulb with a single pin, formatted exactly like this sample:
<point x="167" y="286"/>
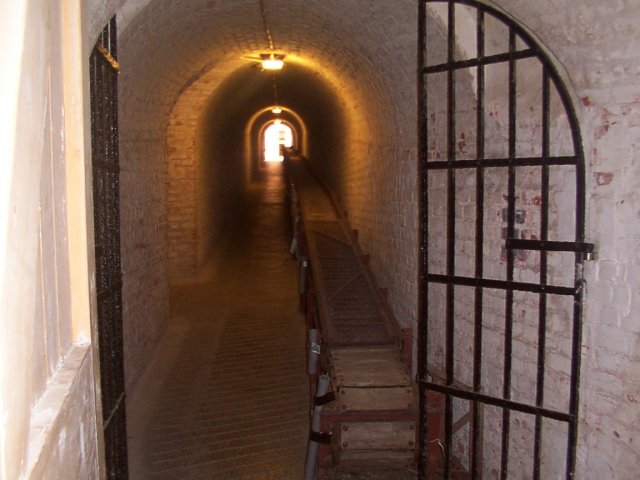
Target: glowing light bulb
<point x="272" y="64"/>
<point x="272" y="61"/>
<point x="276" y="110"/>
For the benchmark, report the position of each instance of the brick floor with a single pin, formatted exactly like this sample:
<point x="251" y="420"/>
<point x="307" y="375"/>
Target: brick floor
<point x="226" y="396"/>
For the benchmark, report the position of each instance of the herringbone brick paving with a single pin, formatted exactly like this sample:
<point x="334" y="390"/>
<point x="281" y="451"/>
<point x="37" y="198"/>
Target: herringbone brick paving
<point x="226" y="396"/>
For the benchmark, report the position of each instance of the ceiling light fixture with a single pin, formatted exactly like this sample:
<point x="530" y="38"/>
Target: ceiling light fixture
<point x="272" y="61"/>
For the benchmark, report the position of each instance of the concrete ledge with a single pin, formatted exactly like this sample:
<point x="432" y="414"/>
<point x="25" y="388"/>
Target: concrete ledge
<point x="62" y="436"/>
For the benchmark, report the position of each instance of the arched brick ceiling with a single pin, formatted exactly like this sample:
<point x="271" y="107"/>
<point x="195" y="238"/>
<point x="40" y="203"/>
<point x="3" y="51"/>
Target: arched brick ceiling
<point x="167" y="44"/>
<point x="365" y="54"/>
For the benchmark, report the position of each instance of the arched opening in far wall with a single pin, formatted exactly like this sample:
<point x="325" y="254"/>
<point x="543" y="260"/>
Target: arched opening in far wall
<point x="255" y="130"/>
<point x="275" y="135"/>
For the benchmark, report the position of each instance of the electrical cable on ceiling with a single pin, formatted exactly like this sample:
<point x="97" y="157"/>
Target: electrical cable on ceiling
<point x="267" y="31"/>
<point x="275" y="90"/>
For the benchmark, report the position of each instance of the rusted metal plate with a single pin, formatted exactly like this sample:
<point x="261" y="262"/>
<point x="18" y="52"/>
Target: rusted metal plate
<point x="368" y="367"/>
<point x="399" y="435"/>
<point x="375" y="398"/>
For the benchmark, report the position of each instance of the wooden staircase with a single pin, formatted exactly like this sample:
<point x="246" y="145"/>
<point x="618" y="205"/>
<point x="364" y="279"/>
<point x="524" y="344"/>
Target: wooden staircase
<point x="374" y="417"/>
<point x="370" y="427"/>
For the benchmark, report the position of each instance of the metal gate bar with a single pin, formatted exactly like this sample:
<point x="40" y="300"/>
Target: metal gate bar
<point x="449" y="388"/>
<point x="451" y="232"/>
<point x="106" y="204"/>
<point x="542" y="309"/>
<point x="476" y="438"/>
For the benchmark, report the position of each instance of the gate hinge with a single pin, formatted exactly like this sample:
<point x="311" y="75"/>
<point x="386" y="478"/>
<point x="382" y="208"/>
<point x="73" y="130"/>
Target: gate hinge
<point x="321" y="437"/>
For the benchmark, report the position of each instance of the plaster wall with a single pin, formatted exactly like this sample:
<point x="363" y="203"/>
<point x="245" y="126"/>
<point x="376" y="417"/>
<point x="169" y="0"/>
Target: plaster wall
<point x="64" y="445"/>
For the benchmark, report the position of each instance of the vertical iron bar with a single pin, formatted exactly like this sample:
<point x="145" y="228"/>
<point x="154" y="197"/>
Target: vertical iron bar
<point x="424" y="229"/>
<point x="575" y="371"/>
<point x="105" y="169"/>
<point x="544" y="235"/>
<point x="574" y="396"/>
<point x="511" y="200"/>
<point x="451" y="217"/>
<point x="476" y="452"/>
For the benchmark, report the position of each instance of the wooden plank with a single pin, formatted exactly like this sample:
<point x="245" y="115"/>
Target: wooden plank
<point x="368" y="367"/>
<point x="377" y="435"/>
<point x="375" y="398"/>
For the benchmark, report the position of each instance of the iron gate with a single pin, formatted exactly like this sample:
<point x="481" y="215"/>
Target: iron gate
<point x="106" y="211"/>
<point x="502" y="248"/>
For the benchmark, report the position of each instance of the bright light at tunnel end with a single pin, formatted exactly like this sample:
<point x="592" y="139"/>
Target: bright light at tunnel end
<point x="275" y="135"/>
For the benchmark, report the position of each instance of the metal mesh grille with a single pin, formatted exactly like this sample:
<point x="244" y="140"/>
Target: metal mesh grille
<point x="354" y="313"/>
<point x="106" y="200"/>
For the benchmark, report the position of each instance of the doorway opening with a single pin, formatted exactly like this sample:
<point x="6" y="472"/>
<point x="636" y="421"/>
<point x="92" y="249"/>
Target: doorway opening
<point x="277" y="135"/>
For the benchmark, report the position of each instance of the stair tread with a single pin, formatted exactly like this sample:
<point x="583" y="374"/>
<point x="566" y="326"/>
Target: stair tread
<point x="395" y="474"/>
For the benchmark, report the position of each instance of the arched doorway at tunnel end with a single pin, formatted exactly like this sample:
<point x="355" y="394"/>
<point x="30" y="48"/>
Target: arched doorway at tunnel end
<point x="263" y="124"/>
<point x="274" y="135"/>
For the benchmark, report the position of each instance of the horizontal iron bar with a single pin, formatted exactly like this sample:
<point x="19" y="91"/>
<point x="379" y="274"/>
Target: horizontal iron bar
<point x="499" y="402"/>
<point x="501" y="284"/>
<point x="502" y="162"/>
<point x="520" y="244"/>
<point x="476" y="62"/>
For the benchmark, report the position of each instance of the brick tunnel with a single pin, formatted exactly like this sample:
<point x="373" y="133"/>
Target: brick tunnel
<point x="192" y="104"/>
<point x="199" y="211"/>
<point x="481" y="160"/>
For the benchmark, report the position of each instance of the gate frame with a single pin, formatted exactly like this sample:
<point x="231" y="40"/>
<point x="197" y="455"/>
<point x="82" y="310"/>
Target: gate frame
<point x="105" y="169"/>
<point x="579" y="247"/>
